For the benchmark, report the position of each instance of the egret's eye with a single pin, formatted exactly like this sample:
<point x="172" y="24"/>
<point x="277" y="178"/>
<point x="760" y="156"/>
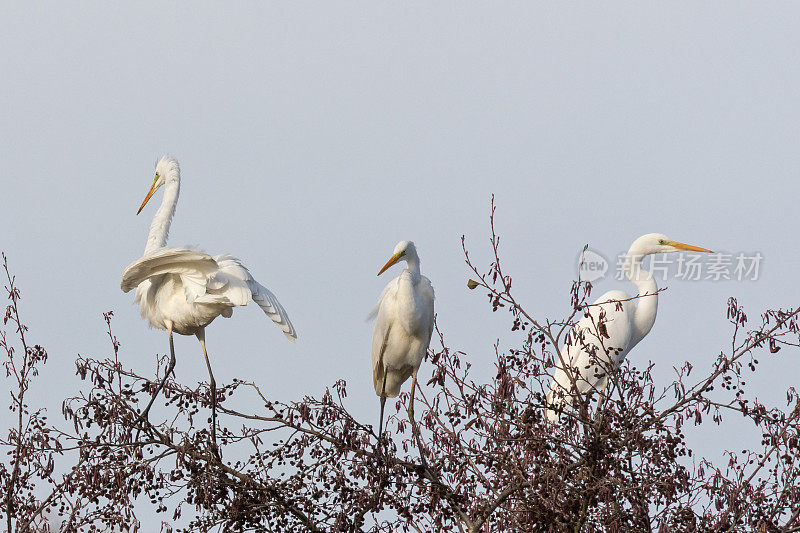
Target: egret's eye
<point x="662" y="241"/>
<point x="157" y="176"/>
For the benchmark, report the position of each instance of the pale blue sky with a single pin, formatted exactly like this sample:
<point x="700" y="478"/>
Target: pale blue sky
<point x="312" y="137"/>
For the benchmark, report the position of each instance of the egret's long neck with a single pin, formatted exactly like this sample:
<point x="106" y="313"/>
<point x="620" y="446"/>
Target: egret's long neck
<point x="647" y="304"/>
<point x="159" y="228"/>
<point x="412" y="265"/>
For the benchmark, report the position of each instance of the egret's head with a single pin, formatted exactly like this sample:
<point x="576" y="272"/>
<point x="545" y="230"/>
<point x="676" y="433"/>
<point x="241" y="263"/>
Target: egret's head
<point x="658" y="243"/>
<point x="166" y="169"/>
<point x="404" y="251"/>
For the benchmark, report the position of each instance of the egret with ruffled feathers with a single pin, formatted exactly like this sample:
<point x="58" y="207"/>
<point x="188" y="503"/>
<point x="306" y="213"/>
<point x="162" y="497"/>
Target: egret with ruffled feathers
<point x="182" y="290"/>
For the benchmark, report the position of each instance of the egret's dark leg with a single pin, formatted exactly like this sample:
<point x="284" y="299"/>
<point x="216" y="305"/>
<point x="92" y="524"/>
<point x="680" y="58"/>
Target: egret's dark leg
<point x="170" y="369"/>
<point x="383" y="402"/>
<point x="201" y="336"/>
<point x="414" y="429"/>
<point x="411" y="399"/>
<point x="602" y="400"/>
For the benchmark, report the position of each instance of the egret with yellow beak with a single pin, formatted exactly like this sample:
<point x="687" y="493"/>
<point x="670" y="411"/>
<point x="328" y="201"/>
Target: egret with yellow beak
<point x="182" y="290"/>
<point x="610" y="328"/>
<point x="403" y="328"/>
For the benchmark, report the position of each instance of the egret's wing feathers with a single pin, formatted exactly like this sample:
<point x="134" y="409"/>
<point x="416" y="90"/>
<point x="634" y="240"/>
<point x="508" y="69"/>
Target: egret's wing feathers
<point x="372" y="313"/>
<point x="193" y="266"/>
<point x="222" y="280"/>
<point x="194" y="285"/>
<point x="390" y="287"/>
<point x="235" y="282"/>
<point x="426" y="288"/>
<point x="273" y="308"/>
<point x="230" y="281"/>
<point x="383" y="311"/>
<point x="429" y="296"/>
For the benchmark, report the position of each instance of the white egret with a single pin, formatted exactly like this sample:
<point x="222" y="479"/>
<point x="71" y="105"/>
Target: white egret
<point x="610" y="328"/>
<point x="182" y="290"/>
<point x="403" y="328"/>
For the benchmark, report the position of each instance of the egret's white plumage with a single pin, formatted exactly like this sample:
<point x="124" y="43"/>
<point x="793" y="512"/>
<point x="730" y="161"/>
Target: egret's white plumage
<point x="189" y="288"/>
<point x="186" y="287"/>
<point x="403" y="327"/>
<point x="610" y="328"/>
<point x="182" y="290"/>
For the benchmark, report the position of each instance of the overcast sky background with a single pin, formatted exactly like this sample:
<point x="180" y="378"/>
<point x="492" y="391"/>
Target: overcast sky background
<point x="312" y="137"/>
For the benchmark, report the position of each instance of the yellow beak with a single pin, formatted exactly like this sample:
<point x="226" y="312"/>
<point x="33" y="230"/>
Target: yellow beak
<point x="147" y="198"/>
<point x="689" y="247"/>
<point x="392" y="260"/>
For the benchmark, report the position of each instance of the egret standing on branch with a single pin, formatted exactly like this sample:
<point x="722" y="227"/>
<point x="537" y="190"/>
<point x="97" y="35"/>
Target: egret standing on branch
<point x="611" y="327"/>
<point x="403" y="328"/>
<point x="182" y="290"/>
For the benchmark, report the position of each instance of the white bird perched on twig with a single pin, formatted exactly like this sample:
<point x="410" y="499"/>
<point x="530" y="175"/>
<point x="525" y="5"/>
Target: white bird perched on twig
<point x="403" y="328"/>
<point x="182" y="290"/>
<point x="611" y="327"/>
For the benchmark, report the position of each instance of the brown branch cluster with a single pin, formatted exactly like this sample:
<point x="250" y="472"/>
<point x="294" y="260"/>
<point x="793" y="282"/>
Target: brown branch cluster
<point x="485" y="457"/>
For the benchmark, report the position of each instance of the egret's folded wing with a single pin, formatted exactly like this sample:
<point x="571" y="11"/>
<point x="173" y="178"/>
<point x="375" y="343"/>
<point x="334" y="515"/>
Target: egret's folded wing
<point x="390" y="287"/>
<point x="426" y="288"/>
<point x="195" y="266"/>
<point x="428" y="296"/>
<point x="373" y="312"/>
<point x="273" y="308"/>
<point x="386" y="311"/>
